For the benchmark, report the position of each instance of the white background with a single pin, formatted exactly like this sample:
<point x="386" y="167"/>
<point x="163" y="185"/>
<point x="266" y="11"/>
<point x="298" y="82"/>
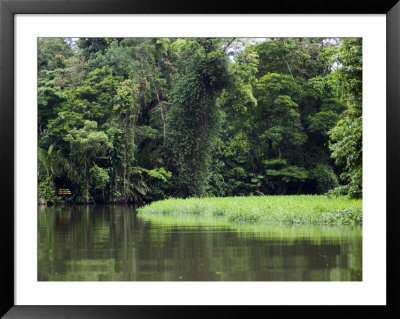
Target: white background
<point x="371" y="291"/>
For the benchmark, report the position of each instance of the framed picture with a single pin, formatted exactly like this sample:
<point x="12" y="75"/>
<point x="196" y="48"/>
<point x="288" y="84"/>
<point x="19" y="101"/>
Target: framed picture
<point x="43" y="276"/>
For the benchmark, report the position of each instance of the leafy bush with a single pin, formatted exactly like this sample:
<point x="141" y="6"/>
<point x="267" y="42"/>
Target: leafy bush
<point x="47" y="191"/>
<point x="98" y="177"/>
<point x="325" y="178"/>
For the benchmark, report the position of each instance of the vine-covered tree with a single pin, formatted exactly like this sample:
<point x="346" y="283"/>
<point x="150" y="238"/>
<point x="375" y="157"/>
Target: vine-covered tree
<point x="193" y="119"/>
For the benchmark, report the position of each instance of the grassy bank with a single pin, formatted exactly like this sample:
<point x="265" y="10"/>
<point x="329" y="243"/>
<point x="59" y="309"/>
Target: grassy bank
<point x="302" y="209"/>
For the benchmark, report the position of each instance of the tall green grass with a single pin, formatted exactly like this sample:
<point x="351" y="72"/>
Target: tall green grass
<point x="300" y="209"/>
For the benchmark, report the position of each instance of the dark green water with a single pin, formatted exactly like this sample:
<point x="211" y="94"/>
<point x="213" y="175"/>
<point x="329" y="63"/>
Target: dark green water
<point x="113" y="243"/>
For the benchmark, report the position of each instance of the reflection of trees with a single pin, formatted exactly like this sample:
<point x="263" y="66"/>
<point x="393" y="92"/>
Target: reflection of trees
<point x="111" y="243"/>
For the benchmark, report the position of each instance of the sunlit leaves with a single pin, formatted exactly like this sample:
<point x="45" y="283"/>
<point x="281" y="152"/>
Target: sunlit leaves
<point x="346" y="136"/>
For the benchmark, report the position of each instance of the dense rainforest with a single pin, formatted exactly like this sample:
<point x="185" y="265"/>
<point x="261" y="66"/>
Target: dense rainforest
<point x="133" y="120"/>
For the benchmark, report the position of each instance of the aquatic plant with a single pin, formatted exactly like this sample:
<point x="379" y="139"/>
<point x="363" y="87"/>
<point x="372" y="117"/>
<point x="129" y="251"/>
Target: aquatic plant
<point x="298" y="209"/>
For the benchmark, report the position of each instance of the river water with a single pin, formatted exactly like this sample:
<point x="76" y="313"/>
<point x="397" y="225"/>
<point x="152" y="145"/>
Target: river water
<point x="114" y="243"/>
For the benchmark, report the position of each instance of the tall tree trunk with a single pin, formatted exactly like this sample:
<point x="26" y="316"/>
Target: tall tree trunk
<point x="86" y="179"/>
<point x="125" y="164"/>
<point x="300" y="188"/>
<point x="288" y="66"/>
<point x="284" y="189"/>
<point x="87" y="188"/>
<point x="150" y="75"/>
<point x="124" y="183"/>
<point x="286" y="62"/>
<point x="115" y="183"/>
<point x="161" y="108"/>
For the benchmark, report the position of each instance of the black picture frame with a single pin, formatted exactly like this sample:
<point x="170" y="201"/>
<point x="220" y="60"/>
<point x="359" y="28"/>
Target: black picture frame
<point x="8" y="8"/>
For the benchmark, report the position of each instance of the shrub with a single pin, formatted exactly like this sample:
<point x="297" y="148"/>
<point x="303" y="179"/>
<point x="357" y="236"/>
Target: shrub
<point x="47" y="191"/>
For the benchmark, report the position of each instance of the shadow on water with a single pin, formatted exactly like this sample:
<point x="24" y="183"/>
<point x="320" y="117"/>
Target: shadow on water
<point x="113" y="243"/>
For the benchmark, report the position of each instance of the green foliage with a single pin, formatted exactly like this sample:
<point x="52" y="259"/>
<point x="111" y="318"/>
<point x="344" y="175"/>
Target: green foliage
<point x="322" y="121"/>
<point x="58" y="127"/>
<point x="85" y="143"/>
<point x="47" y="191"/>
<point x="50" y="98"/>
<point x="238" y="148"/>
<point x="53" y="53"/>
<point x="346" y="136"/>
<point x="87" y="139"/>
<point x="193" y="119"/>
<point x="265" y="209"/>
<point x="142" y="119"/>
<point x="289" y="173"/>
<point x="47" y="162"/>
<point x="325" y="178"/>
<point x="240" y="96"/>
<point x="95" y="95"/>
<point x="347" y="151"/>
<point x="98" y="177"/>
<point x="279" y="172"/>
<point x="283" y="131"/>
<point x="160" y="173"/>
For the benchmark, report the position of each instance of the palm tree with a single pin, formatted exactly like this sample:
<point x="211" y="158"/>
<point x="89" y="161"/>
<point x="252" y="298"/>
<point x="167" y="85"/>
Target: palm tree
<point x="52" y="164"/>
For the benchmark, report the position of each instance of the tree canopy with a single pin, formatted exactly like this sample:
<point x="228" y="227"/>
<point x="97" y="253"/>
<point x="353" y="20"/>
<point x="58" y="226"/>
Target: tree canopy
<point x="142" y="119"/>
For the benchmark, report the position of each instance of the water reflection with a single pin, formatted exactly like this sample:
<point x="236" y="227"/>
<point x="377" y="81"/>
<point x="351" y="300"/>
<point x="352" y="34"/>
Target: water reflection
<point x="112" y="243"/>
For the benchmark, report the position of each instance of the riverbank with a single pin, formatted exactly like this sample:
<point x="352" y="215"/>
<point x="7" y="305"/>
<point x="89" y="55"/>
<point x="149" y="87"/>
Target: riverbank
<point x="299" y="209"/>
